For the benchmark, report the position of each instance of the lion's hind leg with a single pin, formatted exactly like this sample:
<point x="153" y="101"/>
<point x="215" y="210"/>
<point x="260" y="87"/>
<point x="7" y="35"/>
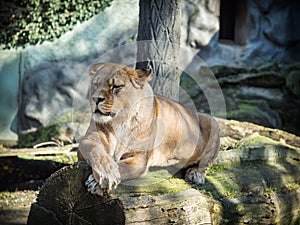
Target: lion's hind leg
<point x="197" y="173"/>
<point x="211" y="138"/>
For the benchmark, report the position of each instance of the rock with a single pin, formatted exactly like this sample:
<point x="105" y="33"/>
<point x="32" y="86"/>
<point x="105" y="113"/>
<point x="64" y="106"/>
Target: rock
<point x="266" y="95"/>
<point x="237" y="130"/>
<point x="264" y="39"/>
<point x="260" y="79"/>
<point x="199" y="22"/>
<point x="282" y="12"/>
<point x="293" y="82"/>
<point x="256" y="111"/>
<point x="223" y="71"/>
<point x="48" y="93"/>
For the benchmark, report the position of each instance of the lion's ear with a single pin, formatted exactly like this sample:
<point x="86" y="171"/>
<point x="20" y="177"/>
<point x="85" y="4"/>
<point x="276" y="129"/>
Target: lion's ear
<point x="143" y="76"/>
<point x="95" y="67"/>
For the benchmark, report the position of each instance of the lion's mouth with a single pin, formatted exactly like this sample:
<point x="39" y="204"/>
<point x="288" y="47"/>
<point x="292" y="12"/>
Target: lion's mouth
<point x="111" y="114"/>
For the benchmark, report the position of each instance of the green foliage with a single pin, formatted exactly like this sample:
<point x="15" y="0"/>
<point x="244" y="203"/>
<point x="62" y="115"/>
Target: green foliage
<point x="42" y="134"/>
<point x="34" y="21"/>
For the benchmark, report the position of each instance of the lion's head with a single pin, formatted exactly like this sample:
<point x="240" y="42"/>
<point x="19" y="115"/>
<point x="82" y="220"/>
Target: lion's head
<point x="116" y="90"/>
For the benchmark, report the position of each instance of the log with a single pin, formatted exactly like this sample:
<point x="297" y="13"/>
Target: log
<point x="238" y="130"/>
<point x="61" y="150"/>
<point x="153" y="199"/>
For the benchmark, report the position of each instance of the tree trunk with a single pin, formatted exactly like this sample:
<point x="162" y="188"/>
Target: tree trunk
<point x="159" y="22"/>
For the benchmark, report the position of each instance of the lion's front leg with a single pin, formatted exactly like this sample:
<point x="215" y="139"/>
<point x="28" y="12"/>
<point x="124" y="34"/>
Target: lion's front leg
<point x="106" y="175"/>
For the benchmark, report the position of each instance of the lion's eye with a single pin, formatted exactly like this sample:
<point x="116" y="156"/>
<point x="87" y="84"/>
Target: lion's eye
<point x="116" y="88"/>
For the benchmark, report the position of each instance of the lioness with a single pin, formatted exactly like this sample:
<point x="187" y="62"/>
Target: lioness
<point x="132" y="129"/>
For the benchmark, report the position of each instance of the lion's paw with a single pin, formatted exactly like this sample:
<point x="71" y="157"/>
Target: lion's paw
<point x="195" y="175"/>
<point x="93" y="185"/>
<point x="105" y="184"/>
<point x="105" y="176"/>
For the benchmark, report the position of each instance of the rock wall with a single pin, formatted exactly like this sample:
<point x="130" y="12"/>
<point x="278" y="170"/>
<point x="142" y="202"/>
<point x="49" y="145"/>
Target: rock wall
<point x="9" y="90"/>
<point x="262" y="24"/>
<point x="258" y="68"/>
<point x="38" y="83"/>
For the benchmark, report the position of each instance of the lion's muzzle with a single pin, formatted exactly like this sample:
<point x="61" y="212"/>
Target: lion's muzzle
<point x="98" y="100"/>
<point x="103" y="112"/>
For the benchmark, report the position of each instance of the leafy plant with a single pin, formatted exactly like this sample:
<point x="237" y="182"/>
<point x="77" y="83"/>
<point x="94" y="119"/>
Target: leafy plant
<point x="34" y="21"/>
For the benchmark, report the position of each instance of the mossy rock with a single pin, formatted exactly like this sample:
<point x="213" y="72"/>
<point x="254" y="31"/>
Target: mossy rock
<point x="266" y="94"/>
<point x="256" y="111"/>
<point x="224" y="71"/>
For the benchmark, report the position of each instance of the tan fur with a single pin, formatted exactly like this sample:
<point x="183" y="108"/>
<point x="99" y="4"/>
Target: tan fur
<point x="137" y="130"/>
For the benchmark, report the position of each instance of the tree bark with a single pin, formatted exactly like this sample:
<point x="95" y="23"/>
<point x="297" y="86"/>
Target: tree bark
<point x="159" y="22"/>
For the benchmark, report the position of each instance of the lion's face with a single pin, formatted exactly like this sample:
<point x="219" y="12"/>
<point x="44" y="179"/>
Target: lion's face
<point x="114" y="90"/>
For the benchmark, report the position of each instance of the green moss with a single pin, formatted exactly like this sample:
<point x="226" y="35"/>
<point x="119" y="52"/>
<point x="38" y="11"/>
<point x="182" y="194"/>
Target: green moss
<point x="44" y="134"/>
<point x="153" y="183"/>
<point x="252" y="111"/>
<point x="222" y="186"/>
<point x="225" y="71"/>
<point x="271" y="190"/>
<point x="293" y="82"/>
<point x="255" y="139"/>
<point x="292" y="186"/>
<point x="288" y="187"/>
<point x="216" y="168"/>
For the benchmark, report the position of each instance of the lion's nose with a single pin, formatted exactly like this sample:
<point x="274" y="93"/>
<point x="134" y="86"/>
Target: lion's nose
<point x="98" y="100"/>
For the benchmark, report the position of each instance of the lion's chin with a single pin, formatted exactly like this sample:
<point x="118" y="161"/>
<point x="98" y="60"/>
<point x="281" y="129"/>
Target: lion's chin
<point x="100" y="118"/>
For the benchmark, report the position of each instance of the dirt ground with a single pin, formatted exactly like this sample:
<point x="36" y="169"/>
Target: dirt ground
<point x="15" y="206"/>
<point x="21" y="176"/>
